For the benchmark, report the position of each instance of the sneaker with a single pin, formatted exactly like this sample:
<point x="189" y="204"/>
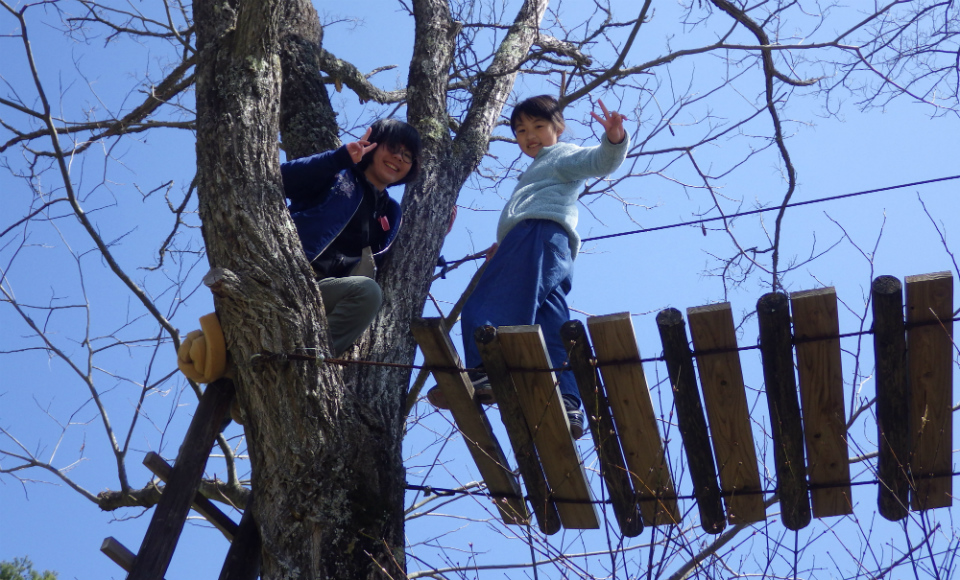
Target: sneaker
<point x="574" y="416"/>
<point x="482" y="391"/>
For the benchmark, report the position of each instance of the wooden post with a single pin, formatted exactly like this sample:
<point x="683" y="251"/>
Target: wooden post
<point x="619" y="359"/>
<point x="471" y="420"/>
<point x="773" y="311"/>
<point x="893" y="397"/>
<point x="243" y="557"/>
<point x="929" y="363"/>
<point x="816" y="325"/>
<point x="512" y="416"/>
<point x="118" y="553"/>
<point x="715" y="341"/>
<point x="526" y="355"/>
<point x="602" y="428"/>
<point x="201" y="504"/>
<point x="693" y="424"/>
<point x="163" y="533"/>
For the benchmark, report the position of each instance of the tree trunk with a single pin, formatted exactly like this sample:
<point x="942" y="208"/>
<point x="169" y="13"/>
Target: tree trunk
<point x="321" y="506"/>
<point x="325" y="441"/>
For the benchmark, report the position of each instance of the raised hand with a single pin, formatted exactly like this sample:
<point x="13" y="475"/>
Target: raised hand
<point x="612" y="124"/>
<point x="491" y="251"/>
<point x="358" y="149"/>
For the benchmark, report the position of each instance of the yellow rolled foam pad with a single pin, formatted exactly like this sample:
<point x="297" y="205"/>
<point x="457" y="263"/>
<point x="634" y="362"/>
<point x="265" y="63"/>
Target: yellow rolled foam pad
<point x="202" y="356"/>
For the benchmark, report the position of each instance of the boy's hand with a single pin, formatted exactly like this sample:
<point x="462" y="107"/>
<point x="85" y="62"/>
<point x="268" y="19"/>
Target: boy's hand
<point x="612" y="124"/>
<point x="358" y="149"/>
<point x="492" y="250"/>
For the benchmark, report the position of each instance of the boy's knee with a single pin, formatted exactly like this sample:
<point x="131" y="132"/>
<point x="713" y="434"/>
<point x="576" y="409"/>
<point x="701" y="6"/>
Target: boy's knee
<point x="368" y="293"/>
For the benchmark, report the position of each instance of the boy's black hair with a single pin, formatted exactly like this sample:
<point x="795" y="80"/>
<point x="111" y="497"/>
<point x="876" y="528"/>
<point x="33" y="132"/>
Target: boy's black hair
<point x="391" y="133"/>
<point x="539" y="107"/>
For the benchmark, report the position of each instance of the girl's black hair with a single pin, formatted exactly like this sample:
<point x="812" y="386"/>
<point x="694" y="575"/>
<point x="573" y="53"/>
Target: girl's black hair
<point x="540" y="107"/>
<point x="391" y="133"/>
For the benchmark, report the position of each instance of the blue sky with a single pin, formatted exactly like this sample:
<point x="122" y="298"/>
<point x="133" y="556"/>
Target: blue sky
<point x="642" y="274"/>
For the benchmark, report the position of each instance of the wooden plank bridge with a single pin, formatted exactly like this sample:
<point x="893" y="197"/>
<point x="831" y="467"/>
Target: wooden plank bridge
<point x="800" y="331"/>
<point x="914" y="421"/>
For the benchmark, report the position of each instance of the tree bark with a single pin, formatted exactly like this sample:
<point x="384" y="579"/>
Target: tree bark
<point x="307" y="121"/>
<point x="325" y="442"/>
<point x="320" y="504"/>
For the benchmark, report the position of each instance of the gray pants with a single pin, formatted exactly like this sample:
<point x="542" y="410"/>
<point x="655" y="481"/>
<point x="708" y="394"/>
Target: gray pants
<point x="350" y="304"/>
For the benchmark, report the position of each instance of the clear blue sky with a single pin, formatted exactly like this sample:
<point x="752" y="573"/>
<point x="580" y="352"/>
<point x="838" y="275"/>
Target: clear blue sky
<point x="641" y="274"/>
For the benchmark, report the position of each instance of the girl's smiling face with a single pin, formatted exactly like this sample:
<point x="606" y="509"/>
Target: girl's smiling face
<point x="387" y="167"/>
<point x="535" y="133"/>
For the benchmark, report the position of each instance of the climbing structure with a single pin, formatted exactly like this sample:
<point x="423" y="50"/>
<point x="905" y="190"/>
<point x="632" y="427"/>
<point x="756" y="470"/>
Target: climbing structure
<point x="182" y="493"/>
<point x="806" y="411"/>
<point x="808" y="421"/>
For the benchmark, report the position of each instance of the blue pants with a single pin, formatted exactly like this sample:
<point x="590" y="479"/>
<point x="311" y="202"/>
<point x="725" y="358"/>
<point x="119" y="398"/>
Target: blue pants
<point x="526" y="282"/>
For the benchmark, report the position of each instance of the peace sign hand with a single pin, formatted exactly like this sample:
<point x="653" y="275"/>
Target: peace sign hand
<point x="612" y="124"/>
<point x="358" y="149"/>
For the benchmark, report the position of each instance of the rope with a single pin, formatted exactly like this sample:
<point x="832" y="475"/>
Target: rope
<point x="768" y="209"/>
<point x="441" y="492"/>
<point x="447" y="266"/>
<point x="266" y="356"/>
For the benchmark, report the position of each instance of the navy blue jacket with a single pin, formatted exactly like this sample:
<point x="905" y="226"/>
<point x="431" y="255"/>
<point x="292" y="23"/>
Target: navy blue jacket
<point x="325" y="190"/>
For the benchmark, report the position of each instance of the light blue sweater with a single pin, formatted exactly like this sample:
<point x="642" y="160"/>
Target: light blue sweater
<point x="550" y="187"/>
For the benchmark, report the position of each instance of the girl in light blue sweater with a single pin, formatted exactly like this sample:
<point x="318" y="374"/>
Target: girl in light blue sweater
<point x="531" y="272"/>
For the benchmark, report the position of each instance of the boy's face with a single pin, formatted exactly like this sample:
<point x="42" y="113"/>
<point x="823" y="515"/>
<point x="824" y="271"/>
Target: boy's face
<point x="535" y="133"/>
<point x="388" y="166"/>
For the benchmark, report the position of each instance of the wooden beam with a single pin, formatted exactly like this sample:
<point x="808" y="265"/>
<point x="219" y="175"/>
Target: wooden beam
<point x="526" y="355"/>
<point x="118" y="553"/>
<point x="893" y="397"/>
<point x="243" y="557"/>
<point x="471" y="420"/>
<point x="691" y="420"/>
<point x="171" y="512"/>
<point x="715" y="343"/>
<point x="619" y="359"/>
<point x="929" y="362"/>
<point x="602" y="428"/>
<point x="816" y="328"/>
<point x="773" y="311"/>
<point x="201" y="504"/>
<point x="505" y="391"/>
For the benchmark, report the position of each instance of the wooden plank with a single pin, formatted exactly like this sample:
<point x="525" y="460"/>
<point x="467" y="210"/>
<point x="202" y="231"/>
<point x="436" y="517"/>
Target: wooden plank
<point x="893" y="398"/>
<point x="118" y="553"/>
<point x="201" y="504"/>
<point x="471" y="420"/>
<point x="929" y="358"/>
<point x="526" y="356"/>
<point x="786" y="427"/>
<point x="243" y="557"/>
<point x="619" y="359"/>
<point x="715" y="343"/>
<point x="816" y="328"/>
<point x="613" y="469"/>
<point x="691" y="420"/>
<point x="505" y="391"/>
<point x="171" y="512"/>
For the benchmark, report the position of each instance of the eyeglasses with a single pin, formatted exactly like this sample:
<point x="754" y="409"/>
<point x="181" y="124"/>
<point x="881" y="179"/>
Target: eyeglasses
<point x="405" y="155"/>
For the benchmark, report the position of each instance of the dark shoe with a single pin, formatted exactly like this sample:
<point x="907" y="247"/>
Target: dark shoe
<point x="481" y="391"/>
<point x="574" y="416"/>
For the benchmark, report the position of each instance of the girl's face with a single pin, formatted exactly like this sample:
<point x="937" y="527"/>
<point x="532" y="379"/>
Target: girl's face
<point x="388" y="167"/>
<point x="535" y="133"/>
